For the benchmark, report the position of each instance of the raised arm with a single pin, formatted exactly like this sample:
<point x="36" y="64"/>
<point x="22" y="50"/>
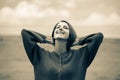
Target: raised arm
<point x="92" y="42"/>
<point x="30" y="39"/>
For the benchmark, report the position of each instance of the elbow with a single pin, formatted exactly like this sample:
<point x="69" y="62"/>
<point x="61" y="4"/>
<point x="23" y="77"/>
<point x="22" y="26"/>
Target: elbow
<point x="23" y="31"/>
<point x="100" y="36"/>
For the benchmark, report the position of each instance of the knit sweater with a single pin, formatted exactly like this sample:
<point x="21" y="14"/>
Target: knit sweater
<point x="71" y="65"/>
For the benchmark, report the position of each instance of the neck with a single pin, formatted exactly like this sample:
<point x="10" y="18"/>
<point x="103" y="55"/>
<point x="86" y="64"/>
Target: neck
<point x="60" y="46"/>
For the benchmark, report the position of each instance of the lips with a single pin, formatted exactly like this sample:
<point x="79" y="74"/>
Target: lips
<point x="60" y="32"/>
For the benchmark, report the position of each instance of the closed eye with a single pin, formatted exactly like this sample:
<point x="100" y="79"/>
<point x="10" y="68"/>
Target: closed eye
<point x="58" y="26"/>
<point x="65" y="27"/>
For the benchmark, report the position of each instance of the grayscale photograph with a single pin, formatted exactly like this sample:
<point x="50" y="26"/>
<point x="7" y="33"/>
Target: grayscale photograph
<point x="59" y="40"/>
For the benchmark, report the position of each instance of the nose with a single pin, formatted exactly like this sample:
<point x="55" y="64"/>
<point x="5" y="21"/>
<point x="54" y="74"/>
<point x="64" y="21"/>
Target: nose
<point x="60" y="29"/>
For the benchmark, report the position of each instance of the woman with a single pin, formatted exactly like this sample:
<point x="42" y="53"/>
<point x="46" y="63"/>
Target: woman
<point x="63" y="63"/>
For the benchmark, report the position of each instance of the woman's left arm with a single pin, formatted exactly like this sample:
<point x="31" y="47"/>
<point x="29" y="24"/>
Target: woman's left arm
<point x="90" y="39"/>
<point x="92" y="42"/>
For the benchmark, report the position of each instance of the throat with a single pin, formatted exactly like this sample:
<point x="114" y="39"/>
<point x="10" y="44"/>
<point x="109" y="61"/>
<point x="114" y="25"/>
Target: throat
<point x="60" y="47"/>
<point x="59" y="51"/>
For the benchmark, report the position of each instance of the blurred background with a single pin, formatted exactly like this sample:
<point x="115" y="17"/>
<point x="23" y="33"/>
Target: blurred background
<point x="86" y="16"/>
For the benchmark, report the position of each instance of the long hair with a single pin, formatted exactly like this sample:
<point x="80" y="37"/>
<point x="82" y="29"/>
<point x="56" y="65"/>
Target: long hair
<point x="72" y="35"/>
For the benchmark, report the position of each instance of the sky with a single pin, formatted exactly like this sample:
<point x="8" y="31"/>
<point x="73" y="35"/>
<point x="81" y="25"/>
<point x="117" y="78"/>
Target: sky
<point x="86" y="16"/>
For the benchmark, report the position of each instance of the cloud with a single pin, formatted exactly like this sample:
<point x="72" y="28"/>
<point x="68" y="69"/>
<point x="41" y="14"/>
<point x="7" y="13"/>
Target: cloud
<point x="36" y="13"/>
<point x="101" y="20"/>
<point x="70" y="4"/>
<point x="28" y="10"/>
<point x="96" y="22"/>
<point x="27" y="14"/>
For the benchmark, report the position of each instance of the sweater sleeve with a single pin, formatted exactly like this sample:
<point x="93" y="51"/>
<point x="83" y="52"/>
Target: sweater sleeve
<point x="30" y="39"/>
<point x="92" y="42"/>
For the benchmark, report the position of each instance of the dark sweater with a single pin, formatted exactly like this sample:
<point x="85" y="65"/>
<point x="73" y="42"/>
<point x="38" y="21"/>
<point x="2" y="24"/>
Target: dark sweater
<point x="71" y="65"/>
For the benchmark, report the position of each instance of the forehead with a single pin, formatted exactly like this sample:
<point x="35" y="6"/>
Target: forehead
<point x="62" y="23"/>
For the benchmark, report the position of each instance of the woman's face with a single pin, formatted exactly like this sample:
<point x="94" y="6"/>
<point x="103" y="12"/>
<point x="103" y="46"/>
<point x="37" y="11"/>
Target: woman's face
<point x="61" y="31"/>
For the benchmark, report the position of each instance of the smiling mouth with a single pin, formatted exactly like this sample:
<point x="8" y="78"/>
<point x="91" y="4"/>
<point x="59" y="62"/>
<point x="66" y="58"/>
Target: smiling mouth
<point x="60" y="32"/>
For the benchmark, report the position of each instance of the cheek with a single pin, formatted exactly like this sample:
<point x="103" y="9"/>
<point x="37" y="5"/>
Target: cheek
<point x="67" y="32"/>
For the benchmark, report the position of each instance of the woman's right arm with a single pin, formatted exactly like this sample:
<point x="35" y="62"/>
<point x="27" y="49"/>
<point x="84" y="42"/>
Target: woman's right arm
<point x="30" y="39"/>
